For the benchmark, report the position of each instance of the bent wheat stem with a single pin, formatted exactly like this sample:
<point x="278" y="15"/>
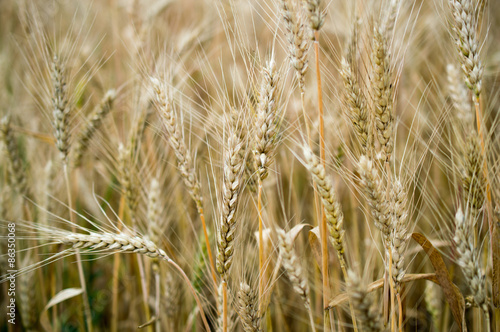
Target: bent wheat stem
<point x="86" y="305"/>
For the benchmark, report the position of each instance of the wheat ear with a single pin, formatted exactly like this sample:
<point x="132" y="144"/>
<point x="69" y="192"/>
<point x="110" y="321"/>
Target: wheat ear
<point x="469" y="261"/>
<point x="125" y="243"/>
<point x="248" y="308"/>
<point x="369" y="319"/>
<point x="298" y="41"/>
<point x="459" y="97"/>
<point x="381" y="87"/>
<point x="27" y="298"/>
<point x="233" y="166"/>
<point x="465" y="29"/>
<point x="293" y="267"/>
<point x="316" y="16"/>
<point x="231" y="186"/>
<point x="473" y="179"/>
<point x="333" y="212"/>
<point x="183" y="155"/>
<point x="356" y="103"/>
<point x="376" y="197"/>
<point x="241" y="128"/>
<point x="268" y="120"/>
<point x="400" y="235"/>
<point x="61" y="110"/>
<point x="128" y="180"/>
<point x="92" y="125"/>
<point x="16" y="167"/>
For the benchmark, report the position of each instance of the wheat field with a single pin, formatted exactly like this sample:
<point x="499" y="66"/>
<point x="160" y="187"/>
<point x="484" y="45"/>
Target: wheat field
<point x="250" y="165"/>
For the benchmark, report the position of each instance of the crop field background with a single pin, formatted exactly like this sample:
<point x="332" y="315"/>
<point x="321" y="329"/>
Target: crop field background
<point x="250" y="165"/>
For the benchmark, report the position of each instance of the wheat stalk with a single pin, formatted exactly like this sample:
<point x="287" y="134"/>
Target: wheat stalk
<point x="61" y="113"/>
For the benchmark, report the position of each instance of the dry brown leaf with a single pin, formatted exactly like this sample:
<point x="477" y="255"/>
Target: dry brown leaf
<point x="315" y="243"/>
<point x="294" y="232"/>
<point x="451" y="292"/>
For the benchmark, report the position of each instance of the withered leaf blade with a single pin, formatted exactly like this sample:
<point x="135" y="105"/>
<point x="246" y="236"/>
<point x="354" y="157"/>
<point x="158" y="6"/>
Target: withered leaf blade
<point x="451" y="292"/>
<point x="62" y="296"/>
<point x="294" y="232"/>
<point x="315" y="243"/>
